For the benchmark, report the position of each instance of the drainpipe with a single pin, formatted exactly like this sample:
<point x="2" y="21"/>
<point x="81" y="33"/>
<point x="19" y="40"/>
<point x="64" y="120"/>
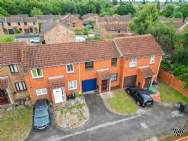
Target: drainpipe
<point x="79" y="78"/>
<point x="159" y="66"/>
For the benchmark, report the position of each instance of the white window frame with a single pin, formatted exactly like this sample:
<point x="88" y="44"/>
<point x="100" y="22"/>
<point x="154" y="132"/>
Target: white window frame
<point x="71" y="83"/>
<point x="38" y="76"/>
<point x="152" y="59"/>
<point x="133" y="62"/>
<point x="68" y="69"/>
<point x="13" y="68"/>
<point x="114" y="76"/>
<point x="20" y="86"/>
<point x="42" y="91"/>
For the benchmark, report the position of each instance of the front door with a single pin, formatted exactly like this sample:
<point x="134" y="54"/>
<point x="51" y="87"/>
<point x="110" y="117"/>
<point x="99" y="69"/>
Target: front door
<point x="58" y="95"/>
<point x="147" y="82"/>
<point x="104" y="85"/>
<point x="3" y="97"/>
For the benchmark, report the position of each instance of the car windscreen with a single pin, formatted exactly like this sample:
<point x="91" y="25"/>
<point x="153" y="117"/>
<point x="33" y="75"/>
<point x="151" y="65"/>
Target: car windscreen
<point x="39" y="113"/>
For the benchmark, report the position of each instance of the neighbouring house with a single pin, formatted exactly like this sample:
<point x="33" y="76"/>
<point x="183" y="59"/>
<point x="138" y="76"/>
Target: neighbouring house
<point x="19" y="24"/>
<point x="56" y="70"/>
<point x="13" y="88"/>
<point x="72" y="21"/>
<point x="56" y="32"/>
<point x="113" y="26"/>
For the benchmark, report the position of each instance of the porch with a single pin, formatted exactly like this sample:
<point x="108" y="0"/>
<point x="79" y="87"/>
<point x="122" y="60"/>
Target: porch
<point x="103" y="80"/>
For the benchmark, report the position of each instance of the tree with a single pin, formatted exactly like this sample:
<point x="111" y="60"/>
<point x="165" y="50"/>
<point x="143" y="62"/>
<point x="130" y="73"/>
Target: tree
<point x="145" y="17"/>
<point x="35" y="12"/>
<point x="115" y="2"/>
<point x="184" y="9"/>
<point x="169" y="10"/>
<point x="165" y="35"/>
<point x="178" y="15"/>
<point x="125" y="9"/>
<point x="3" y="12"/>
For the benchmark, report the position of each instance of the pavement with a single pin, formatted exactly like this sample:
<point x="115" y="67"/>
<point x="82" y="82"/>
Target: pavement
<point x="106" y="126"/>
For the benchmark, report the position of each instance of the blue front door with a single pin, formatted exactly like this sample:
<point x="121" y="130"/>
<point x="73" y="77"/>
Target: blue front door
<point x="89" y="85"/>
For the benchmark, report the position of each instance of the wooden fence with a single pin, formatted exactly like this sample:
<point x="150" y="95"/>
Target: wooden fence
<point x="173" y="82"/>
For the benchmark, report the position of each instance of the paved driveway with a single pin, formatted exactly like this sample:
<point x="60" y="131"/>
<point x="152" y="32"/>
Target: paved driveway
<point x="106" y="126"/>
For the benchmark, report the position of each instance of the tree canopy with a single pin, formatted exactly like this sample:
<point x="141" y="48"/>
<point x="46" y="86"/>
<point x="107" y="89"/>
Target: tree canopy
<point x="145" y="17"/>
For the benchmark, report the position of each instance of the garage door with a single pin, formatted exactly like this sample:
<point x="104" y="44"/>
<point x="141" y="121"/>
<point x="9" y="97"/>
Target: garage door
<point x="130" y="81"/>
<point x="88" y="85"/>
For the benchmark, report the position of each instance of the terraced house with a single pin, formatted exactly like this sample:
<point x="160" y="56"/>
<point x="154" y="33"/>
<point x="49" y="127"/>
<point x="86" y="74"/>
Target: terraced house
<point x="57" y="70"/>
<point x="12" y="83"/>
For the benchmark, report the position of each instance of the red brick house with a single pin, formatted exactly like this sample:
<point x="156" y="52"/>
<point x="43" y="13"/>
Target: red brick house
<point x="57" y="70"/>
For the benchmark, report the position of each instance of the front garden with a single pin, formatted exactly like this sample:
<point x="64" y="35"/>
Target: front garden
<point x="73" y="114"/>
<point x="15" y="125"/>
<point x="120" y="103"/>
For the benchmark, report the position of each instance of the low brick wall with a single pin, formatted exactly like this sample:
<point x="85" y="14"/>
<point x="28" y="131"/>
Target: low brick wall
<point x="173" y="82"/>
<point x="182" y="139"/>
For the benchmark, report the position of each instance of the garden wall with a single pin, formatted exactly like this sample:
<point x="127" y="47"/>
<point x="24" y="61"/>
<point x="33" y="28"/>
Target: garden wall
<point x="173" y="82"/>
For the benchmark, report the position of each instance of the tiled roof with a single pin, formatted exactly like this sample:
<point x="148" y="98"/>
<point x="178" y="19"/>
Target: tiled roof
<point x="146" y="72"/>
<point x="103" y="75"/>
<point x="116" y="26"/>
<point x="59" y="54"/>
<point x="124" y="18"/>
<point x="10" y="53"/>
<point x="138" y="45"/>
<point x="56" y="82"/>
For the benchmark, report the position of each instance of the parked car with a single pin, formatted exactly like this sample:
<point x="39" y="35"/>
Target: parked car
<point x="41" y="115"/>
<point x="142" y="97"/>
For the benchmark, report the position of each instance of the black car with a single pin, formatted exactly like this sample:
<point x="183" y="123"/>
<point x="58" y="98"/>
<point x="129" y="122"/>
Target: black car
<point x="41" y="115"/>
<point x="142" y="97"/>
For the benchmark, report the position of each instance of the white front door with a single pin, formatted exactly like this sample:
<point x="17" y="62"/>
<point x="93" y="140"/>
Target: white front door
<point x="58" y="95"/>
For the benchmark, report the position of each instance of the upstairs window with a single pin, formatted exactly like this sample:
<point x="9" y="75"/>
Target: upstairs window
<point x="133" y="62"/>
<point x="89" y="65"/>
<point x="37" y="73"/>
<point x="34" y="23"/>
<point x="25" y="23"/>
<point x="18" y="23"/>
<point x="42" y="91"/>
<point x="70" y="68"/>
<point x="152" y="59"/>
<point x="114" y="62"/>
<point x="20" y="86"/>
<point x="9" y="24"/>
<point x="13" y="68"/>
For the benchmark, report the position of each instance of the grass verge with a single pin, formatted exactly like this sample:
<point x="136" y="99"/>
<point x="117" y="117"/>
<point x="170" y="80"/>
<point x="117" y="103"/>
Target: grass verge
<point x="169" y="95"/>
<point x="14" y="126"/>
<point x="121" y="103"/>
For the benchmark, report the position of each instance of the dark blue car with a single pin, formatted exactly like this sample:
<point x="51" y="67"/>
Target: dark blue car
<point x="41" y="115"/>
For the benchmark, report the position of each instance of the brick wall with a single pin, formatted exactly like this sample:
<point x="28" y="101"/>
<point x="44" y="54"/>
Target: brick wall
<point x="173" y="82"/>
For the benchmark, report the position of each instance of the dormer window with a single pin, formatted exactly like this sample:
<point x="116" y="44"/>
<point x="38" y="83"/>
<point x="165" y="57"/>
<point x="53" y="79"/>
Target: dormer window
<point x="37" y="73"/>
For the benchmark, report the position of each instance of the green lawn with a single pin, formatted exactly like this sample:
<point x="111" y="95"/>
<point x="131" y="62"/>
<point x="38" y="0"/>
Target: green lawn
<point x="15" y="125"/>
<point x="169" y="95"/>
<point x="121" y="103"/>
<point x="6" y="38"/>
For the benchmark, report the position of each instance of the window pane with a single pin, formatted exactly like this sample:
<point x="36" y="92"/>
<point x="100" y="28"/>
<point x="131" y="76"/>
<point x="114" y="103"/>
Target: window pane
<point x="39" y="72"/>
<point x="15" y="68"/>
<point x="24" y="86"/>
<point x="34" y="72"/>
<point x="114" y="62"/>
<point x="21" y="87"/>
<point x="17" y="86"/>
<point x="89" y="65"/>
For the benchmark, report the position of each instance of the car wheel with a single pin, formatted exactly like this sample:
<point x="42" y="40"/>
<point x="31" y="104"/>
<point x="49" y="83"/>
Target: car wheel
<point x="138" y="103"/>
